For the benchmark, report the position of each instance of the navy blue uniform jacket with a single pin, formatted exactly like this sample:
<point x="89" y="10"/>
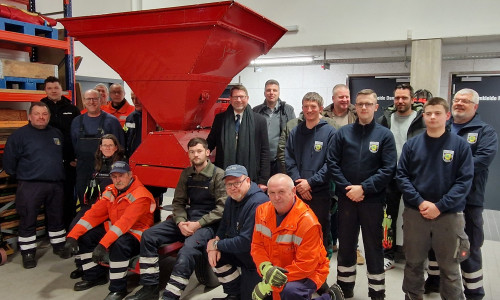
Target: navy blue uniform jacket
<point x="305" y="154"/>
<point x="483" y="142"/>
<point x="439" y="170"/>
<point x="362" y="155"/>
<point x="236" y="227"/>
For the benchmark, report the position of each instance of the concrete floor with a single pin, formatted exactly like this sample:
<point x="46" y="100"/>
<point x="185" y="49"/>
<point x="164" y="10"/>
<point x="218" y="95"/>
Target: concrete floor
<point x="50" y="279"/>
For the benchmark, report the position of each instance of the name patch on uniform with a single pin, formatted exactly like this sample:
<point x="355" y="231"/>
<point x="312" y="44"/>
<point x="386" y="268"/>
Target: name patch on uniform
<point x="448" y="155"/>
<point x="67" y="113"/>
<point x="318" y="145"/>
<point x="130" y="125"/>
<point x="374" y="147"/>
<point x="472" y="137"/>
<point x="57" y="141"/>
<point x="123" y="117"/>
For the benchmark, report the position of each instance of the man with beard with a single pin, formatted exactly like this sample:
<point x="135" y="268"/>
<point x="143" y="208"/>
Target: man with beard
<point x="404" y="119"/>
<point x="197" y="208"/>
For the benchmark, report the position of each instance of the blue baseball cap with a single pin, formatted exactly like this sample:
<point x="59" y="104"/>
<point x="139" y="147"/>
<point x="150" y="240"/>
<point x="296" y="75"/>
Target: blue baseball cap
<point x="120" y="167"/>
<point x="235" y="170"/>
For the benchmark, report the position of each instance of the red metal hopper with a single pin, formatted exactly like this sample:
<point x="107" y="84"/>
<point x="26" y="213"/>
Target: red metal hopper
<point x="177" y="61"/>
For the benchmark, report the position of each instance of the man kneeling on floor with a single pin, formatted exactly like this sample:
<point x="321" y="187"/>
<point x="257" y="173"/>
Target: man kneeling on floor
<point x="197" y="208"/>
<point x="287" y="246"/>
<point x="229" y="252"/>
<point x="114" y="224"/>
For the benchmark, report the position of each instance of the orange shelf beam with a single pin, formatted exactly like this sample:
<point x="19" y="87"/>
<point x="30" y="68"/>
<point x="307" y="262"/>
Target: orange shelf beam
<point x="14" y="95"/>
<point x="15" y="37"/>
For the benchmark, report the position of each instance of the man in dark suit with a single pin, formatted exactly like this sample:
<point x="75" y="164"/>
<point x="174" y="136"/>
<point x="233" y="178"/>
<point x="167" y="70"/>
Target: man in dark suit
<point x="240" y="137"/>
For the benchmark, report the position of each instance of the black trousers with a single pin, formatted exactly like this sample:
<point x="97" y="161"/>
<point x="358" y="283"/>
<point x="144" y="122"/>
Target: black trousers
<point x="368" y="216"/>
<point x="30" y="196"/>
<point x="233" y="281"/>
<point x="120" y="252"/>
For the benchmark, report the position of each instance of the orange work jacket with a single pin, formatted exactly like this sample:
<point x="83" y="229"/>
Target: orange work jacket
<point x="131" y="211"/>
<point x="295" y="245"/>
<point x="122" y="113"/>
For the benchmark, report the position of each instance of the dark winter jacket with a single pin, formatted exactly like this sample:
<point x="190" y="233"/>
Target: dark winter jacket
<point x="286" y="112"/>
<point x="238" y="220"/>
<point x="483" y="142"/>
<point x="439" y="170"/>
<point x="305" y="154"/>
<point x="286" y="132"/>
<point x="362" y="155"/>
<point x="133" y="132"/>
<point x="62" y="114"/>
<point x="417" y="126"/>
<point x="34" y="154"/>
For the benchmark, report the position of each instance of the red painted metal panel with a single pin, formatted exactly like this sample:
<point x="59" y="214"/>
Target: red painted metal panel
<point x="171" y="57"/>
<point x="177" y="61"/>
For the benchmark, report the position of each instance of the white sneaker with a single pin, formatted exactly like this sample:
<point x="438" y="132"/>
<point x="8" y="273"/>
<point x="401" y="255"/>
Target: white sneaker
<point x="388" y="264"/>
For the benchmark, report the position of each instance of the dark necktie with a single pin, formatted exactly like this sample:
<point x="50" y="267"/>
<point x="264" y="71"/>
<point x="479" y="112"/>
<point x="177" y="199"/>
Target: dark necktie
<point x="237" y="124"/>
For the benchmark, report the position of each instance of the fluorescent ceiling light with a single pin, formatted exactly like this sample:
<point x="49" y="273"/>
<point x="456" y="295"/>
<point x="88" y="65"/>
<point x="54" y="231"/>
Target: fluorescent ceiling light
<point x="472" y="78"/>
<point x="281" y="60"/>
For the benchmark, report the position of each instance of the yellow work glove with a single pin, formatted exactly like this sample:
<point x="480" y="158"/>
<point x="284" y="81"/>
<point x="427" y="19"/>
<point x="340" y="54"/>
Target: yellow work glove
<point x="273" y="275"/>
<point x="261" y="291"/>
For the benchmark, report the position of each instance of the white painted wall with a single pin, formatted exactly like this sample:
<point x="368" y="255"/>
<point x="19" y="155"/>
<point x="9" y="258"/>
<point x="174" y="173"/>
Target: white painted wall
<point x="296" y="81"/>
<point x="324" y="22"/>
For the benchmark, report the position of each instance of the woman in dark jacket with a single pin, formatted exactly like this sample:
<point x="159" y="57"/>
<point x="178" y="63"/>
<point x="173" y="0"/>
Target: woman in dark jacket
<point x="108" y="152"/>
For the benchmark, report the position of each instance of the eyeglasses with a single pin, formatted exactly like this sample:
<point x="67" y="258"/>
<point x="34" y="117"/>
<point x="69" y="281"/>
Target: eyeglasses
<point x="108" y="146"/>
<point x="92" y="99"/>
<point x="368" y="104"/>
<point x="238" y="97"/>
<point x="235" y="184"/>
<point x="464" y="101"/>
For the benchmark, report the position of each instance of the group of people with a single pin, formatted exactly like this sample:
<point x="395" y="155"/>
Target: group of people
<point x="61" y="150"/>
<point x="279" y="194"/>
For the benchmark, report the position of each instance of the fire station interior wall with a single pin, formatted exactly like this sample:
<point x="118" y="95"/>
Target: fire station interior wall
<point x="488" y="88"/>
<point x="323" y="22"/>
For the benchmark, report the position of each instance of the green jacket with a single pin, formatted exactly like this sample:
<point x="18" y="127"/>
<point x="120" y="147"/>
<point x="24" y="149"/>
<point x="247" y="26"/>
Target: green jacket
<point x="216" y="188"/>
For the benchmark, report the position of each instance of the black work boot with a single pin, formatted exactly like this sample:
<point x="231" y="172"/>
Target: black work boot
<point x="59" y="251"/>
<point x="29" y="261"/>
<point x="85" y="284"/>
<point x="77" y="273"/>
<point x="116" y="295"/>
<point x="147" y="292"/>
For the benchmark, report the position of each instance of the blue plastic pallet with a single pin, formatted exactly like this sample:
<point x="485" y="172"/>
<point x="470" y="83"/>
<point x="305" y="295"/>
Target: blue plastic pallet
<point x="24" y="83"/>
<point x="28" y="28"/>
